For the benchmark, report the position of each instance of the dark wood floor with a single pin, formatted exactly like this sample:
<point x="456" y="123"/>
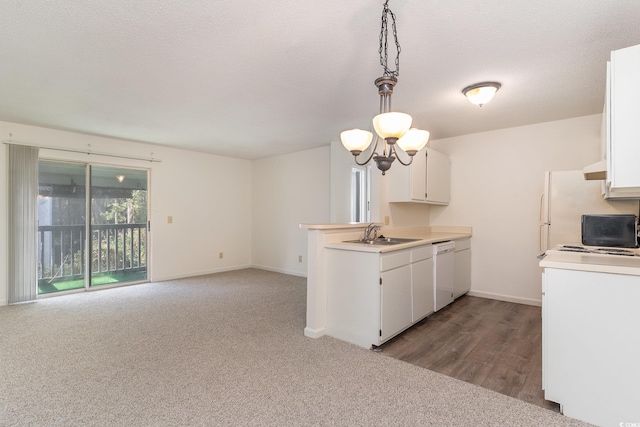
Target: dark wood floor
<point x="493" y="344"/>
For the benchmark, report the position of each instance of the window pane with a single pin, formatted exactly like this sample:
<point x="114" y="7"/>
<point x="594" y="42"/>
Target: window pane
<point x="61" y="226"/>
<point x="118" y="225"/>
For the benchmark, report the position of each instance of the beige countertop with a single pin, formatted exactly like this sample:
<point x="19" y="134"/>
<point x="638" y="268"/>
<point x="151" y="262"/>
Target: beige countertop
<point x="337" y="226"/>
<point x="592" y="262"/>
<point x="423" y="239"/>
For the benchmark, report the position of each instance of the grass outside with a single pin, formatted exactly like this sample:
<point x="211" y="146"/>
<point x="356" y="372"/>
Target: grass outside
<point x="97" y="280"/>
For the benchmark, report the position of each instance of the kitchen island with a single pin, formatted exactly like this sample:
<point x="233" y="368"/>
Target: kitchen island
<point x="590" y="332"/>
<point x="345" y="296"/>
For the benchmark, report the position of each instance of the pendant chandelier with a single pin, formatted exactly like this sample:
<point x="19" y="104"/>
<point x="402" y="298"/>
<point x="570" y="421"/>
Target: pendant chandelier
<point x="393" y="129"/>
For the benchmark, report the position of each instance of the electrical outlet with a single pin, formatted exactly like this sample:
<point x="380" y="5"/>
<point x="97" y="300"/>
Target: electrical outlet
<point x="299" y="258"/>
<point x="220" y="255"/>
<point x="169" y="219"/>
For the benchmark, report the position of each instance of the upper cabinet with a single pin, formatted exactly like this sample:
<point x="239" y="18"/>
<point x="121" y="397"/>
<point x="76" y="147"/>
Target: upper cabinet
<point x="622" y="124"/>
<point x="426" y="180"/>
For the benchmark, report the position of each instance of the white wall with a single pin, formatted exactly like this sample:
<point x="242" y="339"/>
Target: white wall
<point x="251" y="210"/>
<point x="288" y="190"/>
<point x="496" y="182"/>
<point x="340" y="177"/>
<point x="208" y="196"/>
<point x="4" y="220"/>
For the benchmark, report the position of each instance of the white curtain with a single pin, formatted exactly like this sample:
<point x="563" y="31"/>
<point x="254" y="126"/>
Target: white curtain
<point x="23" y="227"/>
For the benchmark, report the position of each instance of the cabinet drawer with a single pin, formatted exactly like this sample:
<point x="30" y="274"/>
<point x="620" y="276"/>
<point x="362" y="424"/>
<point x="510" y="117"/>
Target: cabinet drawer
<point x="421" y="253"/>
<point x="463" y="244"/>
<point x="395" y="259"/>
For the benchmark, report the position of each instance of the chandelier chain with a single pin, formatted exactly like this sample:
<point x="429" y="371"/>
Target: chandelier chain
<point x="384" y="32"/>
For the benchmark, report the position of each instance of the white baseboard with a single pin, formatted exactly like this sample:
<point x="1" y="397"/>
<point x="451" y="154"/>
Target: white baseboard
<point x="221" y="270"/>
<point x="508" y="298"/>
<point x="314" y="333"/>
<point x="4" y="302"/>
<point x="198" y="273"/>
<point x="279" y="270"/>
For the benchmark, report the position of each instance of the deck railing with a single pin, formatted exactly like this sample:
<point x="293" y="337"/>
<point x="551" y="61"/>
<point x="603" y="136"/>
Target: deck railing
<point x="116" y="248"/>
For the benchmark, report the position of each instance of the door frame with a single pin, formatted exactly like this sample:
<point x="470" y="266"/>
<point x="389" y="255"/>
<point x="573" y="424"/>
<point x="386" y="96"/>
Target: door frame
<point x="88" y="237"/>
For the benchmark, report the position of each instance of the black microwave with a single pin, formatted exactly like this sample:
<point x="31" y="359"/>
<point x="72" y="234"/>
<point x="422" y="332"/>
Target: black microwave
<point x="615" y="230"/>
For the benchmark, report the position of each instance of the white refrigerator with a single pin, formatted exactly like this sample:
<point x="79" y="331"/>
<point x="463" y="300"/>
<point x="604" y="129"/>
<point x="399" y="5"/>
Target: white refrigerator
<point x="567" y="196"/>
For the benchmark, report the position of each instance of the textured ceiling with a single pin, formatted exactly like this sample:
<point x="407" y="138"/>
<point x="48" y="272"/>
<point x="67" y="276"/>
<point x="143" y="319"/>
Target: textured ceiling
<point x="250" y="78"/>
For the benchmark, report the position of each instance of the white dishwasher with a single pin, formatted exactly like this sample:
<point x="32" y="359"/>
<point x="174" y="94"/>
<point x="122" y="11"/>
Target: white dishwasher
<point x="443" y="270"/>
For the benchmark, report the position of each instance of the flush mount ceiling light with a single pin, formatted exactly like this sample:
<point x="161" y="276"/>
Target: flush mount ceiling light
<point x="481" y="93"/>
<point x="393" y="128"/>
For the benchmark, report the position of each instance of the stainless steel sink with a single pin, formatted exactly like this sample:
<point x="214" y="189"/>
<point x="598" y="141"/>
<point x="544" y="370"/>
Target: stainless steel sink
<point x="387" y="241"/>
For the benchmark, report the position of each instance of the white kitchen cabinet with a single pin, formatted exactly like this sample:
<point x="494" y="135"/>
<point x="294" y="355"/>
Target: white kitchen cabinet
<point x="623" y="126"/>
<point x="395" y="301"/>
<point x="426" y="180"/>
<point x="462" y="272"/>
<point x="545" y="348"/>
<point x="438" y="183"/>
<point x="372" y="297"/>
<point x="590" y="351"/>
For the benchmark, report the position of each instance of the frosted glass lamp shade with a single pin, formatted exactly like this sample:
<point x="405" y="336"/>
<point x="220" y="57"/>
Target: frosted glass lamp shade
<point x="413" y="141"/>
<point x="481" y="93"/>
<point x="391" y="125"/>
<point x="356" y="140"/>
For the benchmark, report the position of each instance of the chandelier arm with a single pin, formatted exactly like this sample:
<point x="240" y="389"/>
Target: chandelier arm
<point x="373" y="153"/>
<point x="388" y="149"/>
<point x="400" y="159"/>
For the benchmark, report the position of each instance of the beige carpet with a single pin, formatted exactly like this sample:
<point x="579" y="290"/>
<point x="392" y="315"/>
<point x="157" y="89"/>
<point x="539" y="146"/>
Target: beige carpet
<point x="223" y="349"/>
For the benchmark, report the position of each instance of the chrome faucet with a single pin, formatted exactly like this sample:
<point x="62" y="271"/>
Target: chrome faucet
<point x="371" y="228"/>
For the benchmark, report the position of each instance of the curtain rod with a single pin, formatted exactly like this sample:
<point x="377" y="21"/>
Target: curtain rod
<point x="87" y="151"/>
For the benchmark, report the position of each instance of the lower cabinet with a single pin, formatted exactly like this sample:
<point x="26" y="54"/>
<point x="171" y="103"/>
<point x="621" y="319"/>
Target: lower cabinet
<point x="406" y="289"/>
<point x="372" y="297"/>
<point x="395" y="301"/>
<point x="589" y="349"/>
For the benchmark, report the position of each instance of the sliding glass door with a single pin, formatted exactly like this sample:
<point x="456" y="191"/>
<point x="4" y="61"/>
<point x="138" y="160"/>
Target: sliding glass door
<point x="61" y="226"/>
<point x="118" y="225"/>
<point x="92" y="226"/>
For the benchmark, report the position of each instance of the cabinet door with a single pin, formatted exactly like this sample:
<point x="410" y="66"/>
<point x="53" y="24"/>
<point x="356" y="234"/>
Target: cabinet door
<point x="544" y="333"/>
<point x="418" y="172"/>
<point x="395" y="301"/>
<point x="407" y="183"/>
<point x="437" y="178"/>
<point x="591" y="347"/>
<point x="625" y="126"/>
<point x="422" y="288"/>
